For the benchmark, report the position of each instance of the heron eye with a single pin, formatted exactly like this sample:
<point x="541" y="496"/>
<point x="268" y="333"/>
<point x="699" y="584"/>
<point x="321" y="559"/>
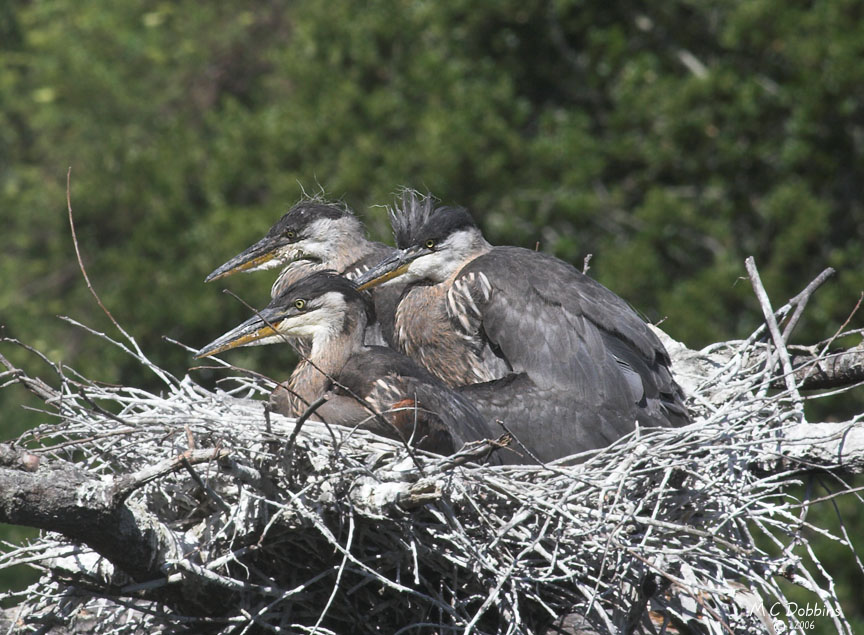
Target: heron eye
<point x="430" y="244"/>
<point x="300" y="304"/>
<point x="290" y="234"/>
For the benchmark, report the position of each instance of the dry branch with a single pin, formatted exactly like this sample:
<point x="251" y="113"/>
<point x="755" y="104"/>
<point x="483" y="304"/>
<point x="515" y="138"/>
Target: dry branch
<point x="68" y="500"/>
<point x="190" y="509"/>
<point x="819" y="372"/>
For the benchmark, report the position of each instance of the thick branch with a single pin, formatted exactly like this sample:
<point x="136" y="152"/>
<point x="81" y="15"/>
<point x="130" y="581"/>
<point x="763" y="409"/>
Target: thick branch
<point x="70" y="501"/>
<point x="819" y="445"/>
<point x="835" y="370"/>
<point x="18" y="459"/>
<point x="811" y="370"/>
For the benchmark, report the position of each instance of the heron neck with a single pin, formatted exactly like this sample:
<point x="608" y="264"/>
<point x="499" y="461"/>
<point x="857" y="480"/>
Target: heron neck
<point x="349" y="253"/>
<point x="481" y="246"/>
<point x="478" y="247"/>
<point x="331" y="350"/>
<point x="345" y="256"/>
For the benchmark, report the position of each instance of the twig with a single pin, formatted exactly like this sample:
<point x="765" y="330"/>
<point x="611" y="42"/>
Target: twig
<point x="78" y="256"/>
<point x="128" y="484"/>
<point x="138" y="353"/>
<point x="35" y="385"/>
<point x="302" y="419"/>
<point x="800" y="300"/>
<point x="85" y="440"/>
<point x="521" y="445"/>
<point x="220" y="503"/>
<point x="779" y="342"/>
<point x="845" y="323"/>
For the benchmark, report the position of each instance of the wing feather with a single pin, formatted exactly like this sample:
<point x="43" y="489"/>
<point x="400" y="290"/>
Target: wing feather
<point x="565" y="330"/>
<point x="385" y="377"/>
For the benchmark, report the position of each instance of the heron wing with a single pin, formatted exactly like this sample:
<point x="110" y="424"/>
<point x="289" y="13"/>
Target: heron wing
<point x="385" y="378"/>
<point x="568" y="425"/>
<point x="566" y="330"/>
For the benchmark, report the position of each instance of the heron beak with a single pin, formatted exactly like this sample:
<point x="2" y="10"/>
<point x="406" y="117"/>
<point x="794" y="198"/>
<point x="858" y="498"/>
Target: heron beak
<point x="252" y="330"/>
<point x="390" y="268"/>
<point x="255" y="256"/>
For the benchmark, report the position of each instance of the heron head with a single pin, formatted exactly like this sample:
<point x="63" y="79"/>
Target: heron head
<point x="311" y="234"/>
<point x="318" y="307"/>
<point x="434" y="242"/>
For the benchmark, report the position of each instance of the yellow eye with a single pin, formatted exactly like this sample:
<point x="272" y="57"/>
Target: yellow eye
<point x="290" y="234"/>
<point x="430" y="244"/>
<point x="300" y="304"/>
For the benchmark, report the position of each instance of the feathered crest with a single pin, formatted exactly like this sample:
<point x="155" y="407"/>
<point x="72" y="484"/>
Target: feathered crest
<point x="320" y="197"/>
<point x="413" y="214"/>
<point x="409" y="214"/>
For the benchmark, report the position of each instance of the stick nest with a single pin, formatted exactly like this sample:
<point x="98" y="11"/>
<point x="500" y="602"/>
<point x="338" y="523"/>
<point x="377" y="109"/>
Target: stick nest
<point x="341" y="531"/>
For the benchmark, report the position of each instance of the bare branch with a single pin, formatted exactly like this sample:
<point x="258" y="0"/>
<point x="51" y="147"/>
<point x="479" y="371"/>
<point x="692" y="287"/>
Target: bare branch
<point x="78" y="255"/>
<point x="164" y="376"/>
<point x="771" y="321"/>
<point x="816" y="445"/>
<point x="800" y="300"/>
<point x="69" y="501"/>
<point x="815" y="372"/>
<point x="33" y="384"/>
<point x="124" y="486"/>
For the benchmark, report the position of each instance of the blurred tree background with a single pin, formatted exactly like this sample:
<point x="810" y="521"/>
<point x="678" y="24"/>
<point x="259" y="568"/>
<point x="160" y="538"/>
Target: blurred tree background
<point x="670" y="142"/>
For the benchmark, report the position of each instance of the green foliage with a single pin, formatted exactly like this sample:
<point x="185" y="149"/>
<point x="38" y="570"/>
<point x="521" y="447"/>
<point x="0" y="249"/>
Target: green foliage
<point x="668" y="142"/>
<point x="19" y="576"/>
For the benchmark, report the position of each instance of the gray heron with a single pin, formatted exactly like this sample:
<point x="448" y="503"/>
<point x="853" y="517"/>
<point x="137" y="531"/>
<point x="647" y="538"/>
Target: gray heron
<point x="360" y="382"/>
<point x="317" y="235"/>
<point x="565" y="363"/>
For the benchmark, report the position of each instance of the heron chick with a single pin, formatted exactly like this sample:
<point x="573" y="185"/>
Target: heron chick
<point x="373" y="387"/>
<point x="317" y="235"/>
<point x="568" y="365"/>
